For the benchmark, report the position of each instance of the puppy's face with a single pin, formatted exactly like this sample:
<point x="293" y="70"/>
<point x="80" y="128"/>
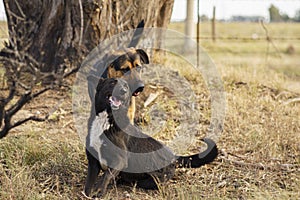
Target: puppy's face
<point x="128" y="65"/>
<point x="112" y="94"/>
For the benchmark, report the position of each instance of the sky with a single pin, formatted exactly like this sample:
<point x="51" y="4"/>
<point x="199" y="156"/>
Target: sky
<point x="225" y="8"/>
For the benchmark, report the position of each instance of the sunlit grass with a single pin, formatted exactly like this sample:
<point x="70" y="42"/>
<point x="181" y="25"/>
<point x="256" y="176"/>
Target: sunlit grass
<point x="282" y="30"/>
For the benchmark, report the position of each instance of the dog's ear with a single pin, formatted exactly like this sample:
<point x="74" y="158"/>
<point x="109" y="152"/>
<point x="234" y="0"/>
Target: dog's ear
<point x="100" y="83"/>
<point x="143" y="55"/>
<point x="92" y="84"/>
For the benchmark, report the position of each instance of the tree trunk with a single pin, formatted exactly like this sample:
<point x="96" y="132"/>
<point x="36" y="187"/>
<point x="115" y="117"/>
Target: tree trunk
<point x="56" y="32"/>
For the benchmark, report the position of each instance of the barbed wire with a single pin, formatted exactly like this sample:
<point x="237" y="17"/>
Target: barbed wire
<point x="241" y="38"/>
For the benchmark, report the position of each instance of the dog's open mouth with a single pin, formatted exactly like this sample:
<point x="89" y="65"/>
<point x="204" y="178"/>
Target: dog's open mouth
<point x="115" y="102"/>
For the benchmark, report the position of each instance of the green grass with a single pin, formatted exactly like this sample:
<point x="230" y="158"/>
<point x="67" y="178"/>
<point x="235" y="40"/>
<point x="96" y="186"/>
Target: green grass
<point x="259" y="147"/>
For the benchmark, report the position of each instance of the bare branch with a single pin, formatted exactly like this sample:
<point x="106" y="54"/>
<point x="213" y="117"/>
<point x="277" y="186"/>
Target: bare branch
<point x="32" y="118"/>
<point x="20" y="9"/>
<point x="16" y="16"/>
<point x="11" y="93"/>
<point x="16" y="107"/>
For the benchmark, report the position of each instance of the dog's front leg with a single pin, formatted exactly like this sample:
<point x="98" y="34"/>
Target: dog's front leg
<point x="131" y="110"/>
<point x="111" y="173"/>
<point x="108" y="176"/>
<point x="93" y="171"/>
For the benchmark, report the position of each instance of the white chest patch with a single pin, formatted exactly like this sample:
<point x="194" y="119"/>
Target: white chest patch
<point x="100" y="124"/>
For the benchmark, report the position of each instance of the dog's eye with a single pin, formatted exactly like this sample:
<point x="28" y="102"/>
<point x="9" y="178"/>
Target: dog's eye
<point x="114" y="82"/>
<point x="125" y="69"/>
<point x="138" y="68"/>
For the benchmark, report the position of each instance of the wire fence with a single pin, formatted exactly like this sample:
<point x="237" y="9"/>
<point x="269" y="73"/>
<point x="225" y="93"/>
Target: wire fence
<point x="247" y="38"/>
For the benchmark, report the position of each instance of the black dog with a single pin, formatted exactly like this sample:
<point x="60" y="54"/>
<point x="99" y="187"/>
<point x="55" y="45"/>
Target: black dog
<point x="120" y="149"/>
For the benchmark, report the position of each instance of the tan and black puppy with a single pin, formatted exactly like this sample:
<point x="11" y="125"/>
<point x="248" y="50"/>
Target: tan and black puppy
<point x="121" y="150"/>
<point x="126" y="63"/>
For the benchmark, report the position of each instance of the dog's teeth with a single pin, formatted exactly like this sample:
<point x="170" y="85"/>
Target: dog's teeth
<point x="114" y="101"/>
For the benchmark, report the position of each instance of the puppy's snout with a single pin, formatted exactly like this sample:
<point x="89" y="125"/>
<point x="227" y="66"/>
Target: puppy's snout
<point x="140" y="87"/>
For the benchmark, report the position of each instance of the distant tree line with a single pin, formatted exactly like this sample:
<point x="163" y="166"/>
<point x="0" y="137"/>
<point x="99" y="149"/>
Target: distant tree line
<point x="274" y="13"/>
<point x="277" y="16"/>
<point x="239" y="18"/>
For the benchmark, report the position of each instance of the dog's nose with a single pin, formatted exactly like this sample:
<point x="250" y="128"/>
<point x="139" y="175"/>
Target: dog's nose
<point x="140" y="87"/>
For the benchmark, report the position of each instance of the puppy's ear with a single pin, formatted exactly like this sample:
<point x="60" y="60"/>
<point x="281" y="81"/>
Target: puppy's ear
<point x="141" y="24"/>
<point x="143" y="55"/>
<point x="92" y="85"/>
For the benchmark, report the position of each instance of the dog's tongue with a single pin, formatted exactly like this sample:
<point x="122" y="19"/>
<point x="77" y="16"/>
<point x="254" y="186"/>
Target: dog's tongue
<point x="115" y="102"/>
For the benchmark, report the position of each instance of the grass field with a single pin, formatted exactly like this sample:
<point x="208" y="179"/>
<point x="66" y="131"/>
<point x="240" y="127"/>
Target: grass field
<point x="259" y="147"/>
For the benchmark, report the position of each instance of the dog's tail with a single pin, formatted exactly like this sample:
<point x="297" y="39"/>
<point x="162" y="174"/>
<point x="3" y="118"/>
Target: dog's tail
<point x="137" y="34"/>
<point x="200" y="159"/>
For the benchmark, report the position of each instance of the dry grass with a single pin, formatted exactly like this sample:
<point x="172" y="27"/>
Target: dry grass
<point x="259" y="148"/>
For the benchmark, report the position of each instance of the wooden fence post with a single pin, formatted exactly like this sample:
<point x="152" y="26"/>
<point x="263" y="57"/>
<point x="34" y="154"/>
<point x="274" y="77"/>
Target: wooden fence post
<point x="213" y="31"/>
<point x="189" y="26"/>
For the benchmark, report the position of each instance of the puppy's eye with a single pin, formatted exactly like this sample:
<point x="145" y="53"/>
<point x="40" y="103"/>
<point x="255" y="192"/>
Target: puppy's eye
<point x="125" y="69"/>
<point x="114" y="82"/>
<point x="138" y="68"/>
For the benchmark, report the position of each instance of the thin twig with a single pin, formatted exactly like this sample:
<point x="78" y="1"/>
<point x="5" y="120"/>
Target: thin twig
<point x="16" y="16"/>
<point x="292" y="101"/>
<point x="74" y="70"/>
<point x="269" y="39"/>
<point x="81" y="22"/>
<point x="20" y="9"/>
